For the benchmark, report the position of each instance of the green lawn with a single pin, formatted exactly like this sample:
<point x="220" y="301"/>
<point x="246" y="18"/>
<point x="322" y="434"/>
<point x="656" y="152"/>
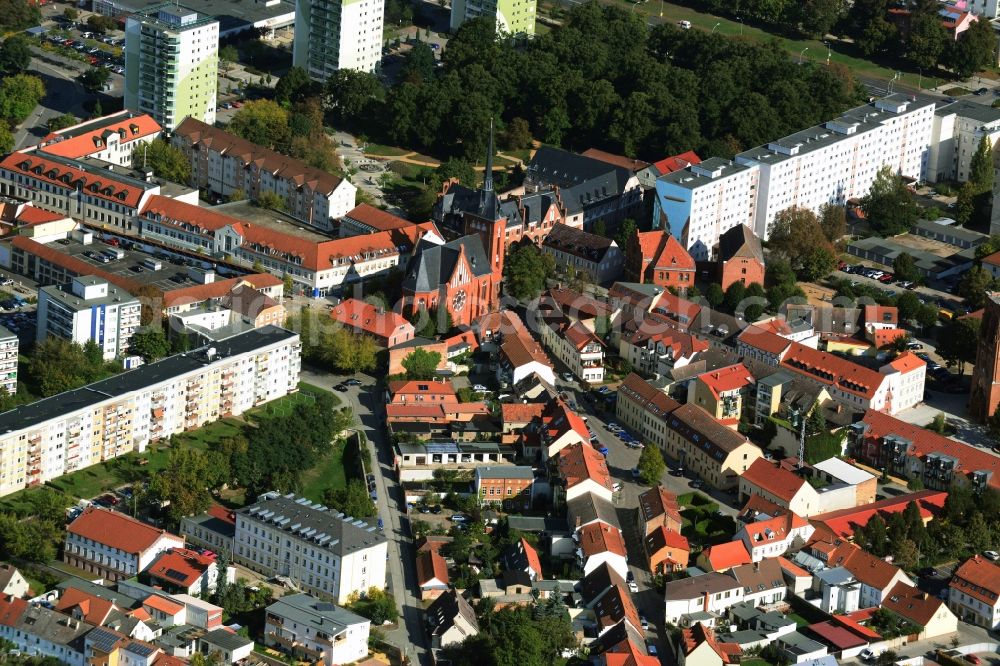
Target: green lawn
<point x="389" y="151"/>
<point x="799" y="620"/>
<point x="328" y="474"/>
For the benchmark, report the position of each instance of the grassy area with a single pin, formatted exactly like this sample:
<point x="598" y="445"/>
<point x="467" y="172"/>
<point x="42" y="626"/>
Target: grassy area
<point x="406" y="171"/>
<point x="755" y="661"/>
<point x="328" y="474"/>
<point x="426" y="158"/>
<point x="957" y="91"/>
<point x="524" y="154"/>
<point x="815" y="49"/>
<point x="799" y="620"/>
<point x="380" y="149"/>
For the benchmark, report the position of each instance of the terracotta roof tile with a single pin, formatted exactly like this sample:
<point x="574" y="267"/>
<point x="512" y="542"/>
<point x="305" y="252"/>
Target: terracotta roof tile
<point x="517" y="412"/>
<point x="580" y="462"/>
<point x="915" y="605"/>
<point x="431" y="566"/>
<point x="677" y="162"/>
<point x="105" y="186"/>
<point x="116" y="530"/>
<point x="843" y="522"/>
<point x="597" y="538"/>
<point x="180" y="566"/>
<point x="67" y="143"/>
<point x="979" y="578"/>
<point x="661" y="251"/>
<point x="163" y="605"/>
<point x="615" y="160"/>
<point x="377" y="218"/>
<point x="11" y="609"/>
<point x="765" y="341"/>
<point x="907" y="362"/>
<point x="658" y="501"/>
<point x="93" y="609"/>
<point x="773" y="479"/>
<point x="727" y="555"/>
<point x="723" y="380"/>
<point x="200" y="293"/>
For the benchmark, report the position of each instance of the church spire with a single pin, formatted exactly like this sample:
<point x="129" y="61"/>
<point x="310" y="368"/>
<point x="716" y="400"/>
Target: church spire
<point x="488" y="179"/>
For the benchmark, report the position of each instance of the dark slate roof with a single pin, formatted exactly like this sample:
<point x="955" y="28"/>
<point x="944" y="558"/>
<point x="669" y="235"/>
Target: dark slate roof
<point x="579" y="243"/>
<point x="432" y="265"/>
<point x="583" y="180"/>
<point x="740" y="242"/>
<point x="460" y="199"/>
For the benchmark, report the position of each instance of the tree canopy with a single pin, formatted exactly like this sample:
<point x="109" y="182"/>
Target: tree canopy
<point x="888" y="206"/>
<point x="526" y="270"/>
<point x="421" y="364"/>
<point x="164" y="159"/>
<point x="797" y="235"/>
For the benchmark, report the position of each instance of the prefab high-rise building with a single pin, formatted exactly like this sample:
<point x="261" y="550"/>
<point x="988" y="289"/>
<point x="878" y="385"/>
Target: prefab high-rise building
<point x="337" y="34"/>
<point x="172" y="64"/>
<point x="513" y="17"/>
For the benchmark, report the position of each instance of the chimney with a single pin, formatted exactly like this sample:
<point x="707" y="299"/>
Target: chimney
<point x="706" y="601"/>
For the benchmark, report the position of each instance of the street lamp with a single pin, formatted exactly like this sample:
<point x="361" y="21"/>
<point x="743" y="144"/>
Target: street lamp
<point x="802" y="53"/>
<point x="661" y="8"/>
<point x="738" y="18"/>
<point x="827" y="44"/>
<point x="920" y="79"/>
<point x="714" y="27"/>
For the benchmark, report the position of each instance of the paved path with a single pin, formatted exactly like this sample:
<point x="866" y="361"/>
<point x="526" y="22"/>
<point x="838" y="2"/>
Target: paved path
<point x="367" y="403"/>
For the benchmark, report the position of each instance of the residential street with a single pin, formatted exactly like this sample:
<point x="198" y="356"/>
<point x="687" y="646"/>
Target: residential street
<point x="366" y="403"/>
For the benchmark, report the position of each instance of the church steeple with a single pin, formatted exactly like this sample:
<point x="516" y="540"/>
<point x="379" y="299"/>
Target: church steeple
<point x="488" y="179"/>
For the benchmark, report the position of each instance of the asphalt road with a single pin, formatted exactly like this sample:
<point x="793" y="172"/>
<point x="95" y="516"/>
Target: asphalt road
<point x="63" y="94"/>
<point x="366" y="402"/>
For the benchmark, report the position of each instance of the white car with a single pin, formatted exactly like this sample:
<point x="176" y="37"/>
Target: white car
<point x="992" y="555"/>
<point x="479" y="388"/>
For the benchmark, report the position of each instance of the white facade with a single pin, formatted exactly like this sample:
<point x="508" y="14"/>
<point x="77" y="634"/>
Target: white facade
<point x="47" y="633"/>
<point x="9" y="345"/>
<point x="319" y="551"/>
<point x="89" y="309"/>
<point x="69" y="431"/>
<point x="906" y="387"/>
<point x="336" y="635"/>
<point x="171" y="64"/>
<point x="716" y="593"/>
<point x="108" y="557"/>
<point x="958" y="129"/>
<point x="337" y="34"/>
<point x="577" y="348"/>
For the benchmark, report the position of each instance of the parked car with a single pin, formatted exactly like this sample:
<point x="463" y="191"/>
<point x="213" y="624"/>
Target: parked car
<point x="479" y="388"/>
<point x="568" y="376"/>
<point x="644" y="622"/>
<point x="915" y="346"/>
<point x="436" y="509"/>
<point x="971" y="658"/>
<point x="991" y="555"/>
<point x="352" y="382"/>
<point x="867" y="655"/>
<point x="635" y="473"/>
<point x="928" y="572"/>
<point x="459" y="518"/>
<point x="616" y="486"/>
<point x="341" y="388"/>
<point x="982" y="91"/>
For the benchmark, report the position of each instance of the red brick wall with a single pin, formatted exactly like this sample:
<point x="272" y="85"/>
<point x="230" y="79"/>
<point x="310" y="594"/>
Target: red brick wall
<point x="747" y="270"/>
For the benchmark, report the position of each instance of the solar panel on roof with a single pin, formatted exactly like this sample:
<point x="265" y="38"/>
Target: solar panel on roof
<point x="175" y="574"/>
<point x="326" y="607"/>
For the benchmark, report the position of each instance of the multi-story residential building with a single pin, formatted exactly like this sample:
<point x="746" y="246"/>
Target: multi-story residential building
<point x="912" y="452"/>
<point x="387" y="327"/>
<point x="658" y="508"/>
<point x="322" y="552"/>
<point x="712" y="592"/>
<point x="597" y="258"/>
<point x="331" y="35"/>
<point x="171" y="64"/>
<point x="557" y="427"/>
<point x="43" y="440"/>
<point x="657" y="257"/>
<point x="582" y="470"/>
<point x="773" y="537"/>
<point x="319" y="264"/>
<point x="877" y="577"/>
<point x="922" y="610"/>
<point x="959" y="126"/>
<point x="111" y="139"/>
<point x="185" y="571"/>
<point x="599" y="544"/>
<point x="838" y="485"/>
<point x="450" y="620"/>
<point x="513" y="17"/>
<point x="657" y="347"/>
<point x="510" y="486"/>
<point x="720" y="392"/>
<point x="213" y="529"/>
<point x="88" y="190"/>
<point x="9" y="345"/>
<point x="763" y="583"/>
<point x="306" y="627"/>
<point x="644" y="408"/>
<point x="35" y="629"/>
<point x="89" y="309"/>
<point x="112" y="545"/>
<point x="577" y="347"/>
<point x="974" y="592"/>
<point x="666" y="550"/>
<point x="223" y="163"/>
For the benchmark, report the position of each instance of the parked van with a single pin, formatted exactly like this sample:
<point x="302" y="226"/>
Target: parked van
<point x="113" y="253"/>
<point x="152" y="264"/>
<point x="684" y="25"/>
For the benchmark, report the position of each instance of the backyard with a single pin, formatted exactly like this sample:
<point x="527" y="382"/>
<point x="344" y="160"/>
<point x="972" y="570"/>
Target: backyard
<point x="702" y="524"/>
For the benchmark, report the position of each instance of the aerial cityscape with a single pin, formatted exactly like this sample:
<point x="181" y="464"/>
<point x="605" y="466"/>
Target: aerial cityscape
<point x="499" y="332"/>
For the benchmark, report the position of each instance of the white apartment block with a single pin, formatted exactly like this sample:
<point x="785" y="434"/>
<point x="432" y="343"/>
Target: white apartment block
<point x="43" y="440"/>
<point x="958" y="128"/>
<point x="829" y="163"/>
<point x="110" y="139"/>
<point x="577" y="347"/>
<point x="89" y="309"/>
<point x="302" y="624"/>
<point x="37" y="630"/>
<point x="112" y="545"/>
<point x="322" y="552"/>
<point x="171" y="64"/>
<point x="337" y="34"/>
<point x="700" y="203"/>
<point x="987" y="8"/>
<point x="9" y="345"/>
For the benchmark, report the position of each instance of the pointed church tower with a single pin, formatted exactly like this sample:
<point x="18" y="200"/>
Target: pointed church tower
<point x="495" y="235"/>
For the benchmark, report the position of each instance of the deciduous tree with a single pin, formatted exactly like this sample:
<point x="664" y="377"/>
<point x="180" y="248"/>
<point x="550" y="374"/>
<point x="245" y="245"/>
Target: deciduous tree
<point x="651" y="465"/>
<point x="261" y="121"/>
<point x="957" y="342"/>
<point x="888" y="206"/>
<point x="150" y="343"/>
<point x="164" y="159"/>
<point x="905" y="268"/>
<point x="15" y="55"/>
<point x="526" y="270"/>
<point x="421" y="364"/>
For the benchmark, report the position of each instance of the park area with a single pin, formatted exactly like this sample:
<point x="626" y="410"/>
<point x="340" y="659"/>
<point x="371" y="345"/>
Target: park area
<point x="703" y="524"/>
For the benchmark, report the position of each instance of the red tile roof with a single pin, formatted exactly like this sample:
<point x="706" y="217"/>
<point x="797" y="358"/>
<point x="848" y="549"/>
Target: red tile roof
<point x="615" y="160"/>
<point x="724" y="380"/>
<point x="727" y="555"/>
<point x="883" y="337"/>
<point x="431" y="566"/>
<point x="630" y="654"/>
<point x="661" y="538"/>
<point x="881" y="314"/>
<point x="979" y="578"/>
<point x="579" y="335"/>
<point x="574" y="304"/>
<point x="532" y="556"/>
<point x="163" y="605"/>
<point x="129" y="127"/>
<point x="864" y="566"/>
<point x="773" y="530"/>
<point x="93" y="609"/>
<point x="517" y="412"/>
<point x="773" y="479"/>
<point x="558" y="419"/>
<point x="915" y="605"/>
<point x="281" y="166"/>
<point x="658" y="501"/>
<point x="222" y="513"/>
<point x="421" y="387"/>
<point x="831" y="369"/>
<point x="616" y="605"/>
<point x="580" y="462"/>
<point x="377" y="218"/>
<point x="793" y="569"/>
<point x="116" y="530"/>
<point x="763" y="340"/>
<point x="521" y="351"/>
<point x="838" y="637"/>
<point x="843" y="522"/>
<point x="106" y="186"/>
<point x="907" y="362"/>
<point x="677" y="162"/>
<point x="970" y="459"/>
<point x="694" y="636"/>
<point x="200" y="293"/>
<point x="180" y="566"/>
<point x="597" y="538"/>
<point x="677" y="344"/>
<point x="34" y="215"/>
<point x="11" y="609"/>
<point x="661" y="251"/>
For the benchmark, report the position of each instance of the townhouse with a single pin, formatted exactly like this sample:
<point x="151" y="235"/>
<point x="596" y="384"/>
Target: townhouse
<point x="656" y="257"/>
<point x="724" y="556"/>
<point x="518" y="354"/>
<point x="557" y="427"/>
<point x="712" y="592"/>
<point x="432" y="574"/>
<point x="387" y="327"/>
<point x="186" y="571"/>
<point x="450" y="619"/>
<point x="35" y="629"/>
<point x="657" y="347"/>
<point x="842" y="523"/>
<point x="600" y="543"/>
<point x="112" y="545"/>
<point x="834" y="485"/>
<point x="12" y="582"/>
<point x="974" y="592"/>
<point x="763" y="582"/>
<point x="912" y="452"/>
<point x="223" y="163"/>
<point x="720" y="392"/>
<point x="45" y="439"/>
<point x="578" y="252"/>
<point x="773" y="537"/>
<point x="522" y="557"/>
<point x="666" y="550"/>
<point x="319" y="264"/>
<point x="698" y="646"/>
<point x="917" y="607"/>
<point x="657" y="509"/>
<point x="321" y="551"/>
<point x="875" y="576"/>
<point x="509" y="486"/>
<point x="581" y="470"/>
<point x="303" y="626"/>
<point x="613" y="607"/>
<point x="577" y="347"/>
<point x="114" y="138"/>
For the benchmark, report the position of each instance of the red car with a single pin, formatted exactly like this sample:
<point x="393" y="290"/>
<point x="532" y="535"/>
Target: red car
<point x="887" y="278"/>
<point x="237" y="105"/>
<point x="973" y="659"/>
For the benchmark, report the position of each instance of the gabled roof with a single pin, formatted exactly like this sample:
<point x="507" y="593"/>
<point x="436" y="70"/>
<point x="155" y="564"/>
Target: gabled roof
<point x="646" y="396"/>
<point x="661" y="538"/>
<point x="163" y="605"/>
<point x="698" y="634"/>
<point x="676" y="162"/>
<point x="577" y="334"/>
<point x="522" y="556"/>
<point x="775" y="530"/>
<point x="658" y="501"/>
<point x="421" y="387"/>
<point x="843" y="522"/>
<point x="979" y="578"/>
<point x="598" y="538"/>
<point x="864" y="566"/>
<point x="573" y="304"/>
<point x="904" y="363"/>
<point x="698" y="426"/>
<point x="445" y="611"/>
<point x="116" y="530"/>
<point x="581" y="462"/>
<point x="88" y="138"/>
<point x="558" y="419"/>
<point x="247" y="301"/>
<point x="433" y="265"/>
<point x="379" y="322"/>
<point x="915" y="605"/>
<point x="774" y="479"/>
<point x="764" y="341"/>
<point x="661" y="251"/>
<point x="279" y="166"/>
<point x="599" y="581"/>
<point x="759" y="576"/>
<point x="616" y="606"/>
<point x="588" y="508"/>
<point x="180" y="566"/>
<point x="91" y="608"/>
<point x="214" y="290"/>
<point x="67" y="175"/>
<point x="615" y="160"/>
<point x="740" y="241"/>
<point x="723" y="380"/>
<point x="577" y="242"/>
<point x="376" y="218"/>
<point x="723" y="556"/>
<point x="430" y="567"/>
<point x="881" y="314"/>
<point x="518" y="412"/>
<point x="696" y="587"/>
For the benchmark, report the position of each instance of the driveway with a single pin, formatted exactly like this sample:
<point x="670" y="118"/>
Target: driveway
<point x="366" y="402"/>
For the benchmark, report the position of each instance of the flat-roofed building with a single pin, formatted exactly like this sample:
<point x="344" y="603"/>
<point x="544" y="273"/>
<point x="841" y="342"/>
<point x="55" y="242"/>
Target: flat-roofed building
<point x="89" y="309"/>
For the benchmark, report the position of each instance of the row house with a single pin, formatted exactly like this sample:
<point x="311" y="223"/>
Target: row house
<point x="875" y="576"/>
<point x="911" y="452"/>
<point x="712" y="592"/>
<point x="580" y="470"/>
<point x="112" y="545"/>
<point x="657" y="347"/>
<point x="584" y="254"/>
<point x="721" y="392"/>
<point x="35" y="629"/>
<point x="95" y="423"/>
<point x="556" y="428"/>
<point x="577" y="347"/>
<point x="835" y="485"/>
<point x="223" y="163"/>
<point x="773" y="537"/>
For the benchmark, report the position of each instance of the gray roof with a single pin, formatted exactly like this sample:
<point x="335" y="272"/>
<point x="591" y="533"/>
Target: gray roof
<point x="969" y="109"/>
<point x="50" y="625"/>
<point x="63" y="294"/>
<point x="314" y="523"/>
<point x="797" y="644"/>
<point x="584" y="180"/>
<point x="308" y="611"/>
<point x="836" y="576"/>
<point x="712" y="582"/>
<point x="578" y="242"/>
<point x="451" y="605"/>
<point x="739" y="241"/>
<point x="536" y="524"/>
<point x="209" y="522"/>
<point x="93" y="589"/>
<point x="950" y="230"/>
<point x="227" y="640"/>
<point x="759" y="576"/>
<point x="593" y="586"/>
<point x="506" y="472"/>
<point x="145" y="376"/>
<point x="588" y="508"/>
<point x="460" y="200"/>
<point x="695" y="175"/>
<point x="432" y="264"/>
